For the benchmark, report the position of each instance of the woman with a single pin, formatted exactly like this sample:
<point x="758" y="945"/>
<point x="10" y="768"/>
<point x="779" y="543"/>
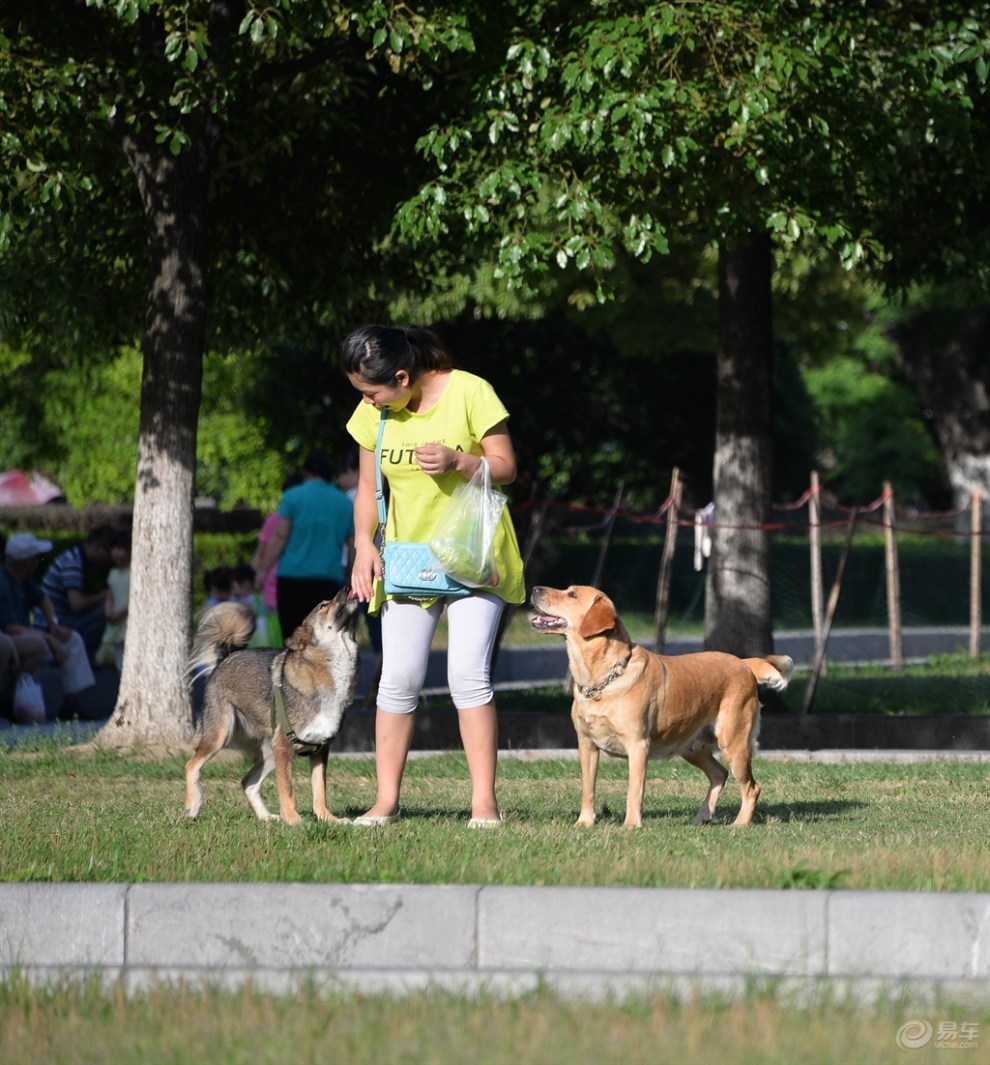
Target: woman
<point x="441" y="423"/>
<point x="268" y="585"/>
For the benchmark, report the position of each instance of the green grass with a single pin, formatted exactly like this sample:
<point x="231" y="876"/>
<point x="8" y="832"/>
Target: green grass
<point x="72" y="816"/>
<point x="81" y="1024"/>
<point x="942" y="685"/>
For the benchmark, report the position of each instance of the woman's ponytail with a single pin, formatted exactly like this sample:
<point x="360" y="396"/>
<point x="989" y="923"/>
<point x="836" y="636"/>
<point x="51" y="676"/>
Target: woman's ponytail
<point x="379" y="352"/>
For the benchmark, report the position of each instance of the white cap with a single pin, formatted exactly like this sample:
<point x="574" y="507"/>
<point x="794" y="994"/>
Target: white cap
<point x="22" y="546"/>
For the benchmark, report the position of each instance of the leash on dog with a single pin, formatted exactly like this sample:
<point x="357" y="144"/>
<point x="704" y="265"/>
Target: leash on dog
<point x="280" y="717"/>
<point x="590" y="692"/>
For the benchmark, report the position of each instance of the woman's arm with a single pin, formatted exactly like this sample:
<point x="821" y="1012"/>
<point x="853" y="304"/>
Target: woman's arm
<point x="80" y="601"/>
<point x="500" y="454"/>
<point x="496" y="444"/>
<point x="367" y="562"/>
<point x="273" y="550"/>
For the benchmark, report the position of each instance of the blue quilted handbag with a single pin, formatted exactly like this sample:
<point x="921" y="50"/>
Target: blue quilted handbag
<point x="411" y="569"/>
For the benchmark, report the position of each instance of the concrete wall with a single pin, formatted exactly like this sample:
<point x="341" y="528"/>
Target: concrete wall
<point x="588" y="941"/>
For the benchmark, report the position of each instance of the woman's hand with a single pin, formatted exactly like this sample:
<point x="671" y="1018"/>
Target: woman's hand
<point x="367" y="566"/>
<point x="436" y="459"/>
<point x="497" y="449"/>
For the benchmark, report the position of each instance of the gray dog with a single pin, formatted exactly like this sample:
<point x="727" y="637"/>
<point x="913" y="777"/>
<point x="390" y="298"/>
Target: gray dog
<point x="274" y="703"/>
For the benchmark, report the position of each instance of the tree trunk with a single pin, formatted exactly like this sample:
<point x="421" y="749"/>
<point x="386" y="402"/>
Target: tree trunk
<point x="738" y="615"/>
<point x="153" y="706"/>
<point x="947" y="363"/>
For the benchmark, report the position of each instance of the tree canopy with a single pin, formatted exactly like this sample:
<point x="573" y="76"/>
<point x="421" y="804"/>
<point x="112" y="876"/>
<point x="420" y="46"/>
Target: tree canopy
<point x="609" y="124"/>
<point x="223" y="175"/>
<point x="151" y="135"/>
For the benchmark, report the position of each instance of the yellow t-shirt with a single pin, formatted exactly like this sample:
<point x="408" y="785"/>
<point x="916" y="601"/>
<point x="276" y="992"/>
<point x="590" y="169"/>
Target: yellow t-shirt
<point x="467" y="409"/>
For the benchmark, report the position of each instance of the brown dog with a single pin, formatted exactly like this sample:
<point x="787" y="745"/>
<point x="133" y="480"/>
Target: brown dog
<point x="315" y="674"/>
<point x="636" y="704"/>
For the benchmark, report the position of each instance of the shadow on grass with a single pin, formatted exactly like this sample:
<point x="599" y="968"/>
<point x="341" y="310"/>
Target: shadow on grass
<point x="821" y="810"/>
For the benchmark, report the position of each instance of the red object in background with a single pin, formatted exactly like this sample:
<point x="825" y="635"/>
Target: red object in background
<point x="18" y="490"/>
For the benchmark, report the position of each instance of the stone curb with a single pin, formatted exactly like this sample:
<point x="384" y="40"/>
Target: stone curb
<point x="508" y="940"/>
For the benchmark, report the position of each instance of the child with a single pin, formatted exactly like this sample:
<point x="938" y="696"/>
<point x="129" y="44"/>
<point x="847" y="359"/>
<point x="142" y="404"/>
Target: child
<point x="111" y="649"/>
<point x="242" y="584"/>
<point x="219" y="584"/>
<point x="243" y="592"/>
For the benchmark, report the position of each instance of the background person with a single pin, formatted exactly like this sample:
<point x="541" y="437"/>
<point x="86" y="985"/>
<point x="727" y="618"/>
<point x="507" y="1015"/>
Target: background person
<point x="314" y="526"/>
<point x="242" y="584"/>
<point x="20" y="596"/>
<point x="111" y="649"/>
<point x="269" y="586"/>
<point x="11" y="663"/>
<point x="75" y="584"/>
<point x="218" y="583"/>
<point x="441" y="422"/>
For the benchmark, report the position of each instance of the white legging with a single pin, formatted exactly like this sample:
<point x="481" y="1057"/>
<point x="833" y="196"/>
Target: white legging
<point x="407" y="633"/>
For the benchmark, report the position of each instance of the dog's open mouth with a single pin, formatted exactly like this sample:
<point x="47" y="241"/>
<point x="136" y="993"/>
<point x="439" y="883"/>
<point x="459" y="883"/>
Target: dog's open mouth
<point x="546" y="622"/>
<point x="346" y="610"/>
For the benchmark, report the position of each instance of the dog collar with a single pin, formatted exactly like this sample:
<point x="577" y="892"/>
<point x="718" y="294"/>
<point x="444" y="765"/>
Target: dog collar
<point x="594" y="692"/>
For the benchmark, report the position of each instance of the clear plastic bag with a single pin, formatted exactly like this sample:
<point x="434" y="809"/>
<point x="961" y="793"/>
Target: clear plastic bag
<point x="464" y="539"/>
<point x="29" y="701"/>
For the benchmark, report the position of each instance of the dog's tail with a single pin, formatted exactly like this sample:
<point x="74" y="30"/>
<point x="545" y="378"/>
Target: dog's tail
<point x="772" y="673"/>
<point x="223" y="628"/>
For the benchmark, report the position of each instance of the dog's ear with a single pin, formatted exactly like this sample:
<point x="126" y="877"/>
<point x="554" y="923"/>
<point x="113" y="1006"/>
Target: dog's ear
<point x="600" y="617"/>
<point x="297" y="641"/>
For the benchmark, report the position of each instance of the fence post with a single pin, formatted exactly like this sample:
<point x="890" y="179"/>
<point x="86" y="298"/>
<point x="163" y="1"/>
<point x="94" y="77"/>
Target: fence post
<point x="536" y="529"/>
<point x="662" y="611"/>
<point x="893" y="579"/>
<point x="975" y="570"/>
<point x="833" y="602"/>
<point x="607" y="538"/>
<point x="815" y="543"/>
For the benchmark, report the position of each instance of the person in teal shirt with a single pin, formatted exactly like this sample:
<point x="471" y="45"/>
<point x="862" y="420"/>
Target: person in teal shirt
<point x="314" y="532"/>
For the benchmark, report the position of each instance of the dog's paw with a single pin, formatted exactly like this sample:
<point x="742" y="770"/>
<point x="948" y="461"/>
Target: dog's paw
<point x="585" y="821"/>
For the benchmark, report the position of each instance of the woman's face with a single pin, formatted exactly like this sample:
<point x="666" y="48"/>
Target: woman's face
<point x="395" y="396"/>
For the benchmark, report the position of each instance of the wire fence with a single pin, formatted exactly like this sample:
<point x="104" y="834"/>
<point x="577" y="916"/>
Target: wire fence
<point x="832" y="566"/>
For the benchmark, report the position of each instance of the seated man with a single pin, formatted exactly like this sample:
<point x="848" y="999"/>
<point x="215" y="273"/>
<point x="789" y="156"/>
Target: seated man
<point x="66" y="584"/>
<point x="16" y="650"/>
<point x="20" y="596"/>
<point x="10" y="661"/>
